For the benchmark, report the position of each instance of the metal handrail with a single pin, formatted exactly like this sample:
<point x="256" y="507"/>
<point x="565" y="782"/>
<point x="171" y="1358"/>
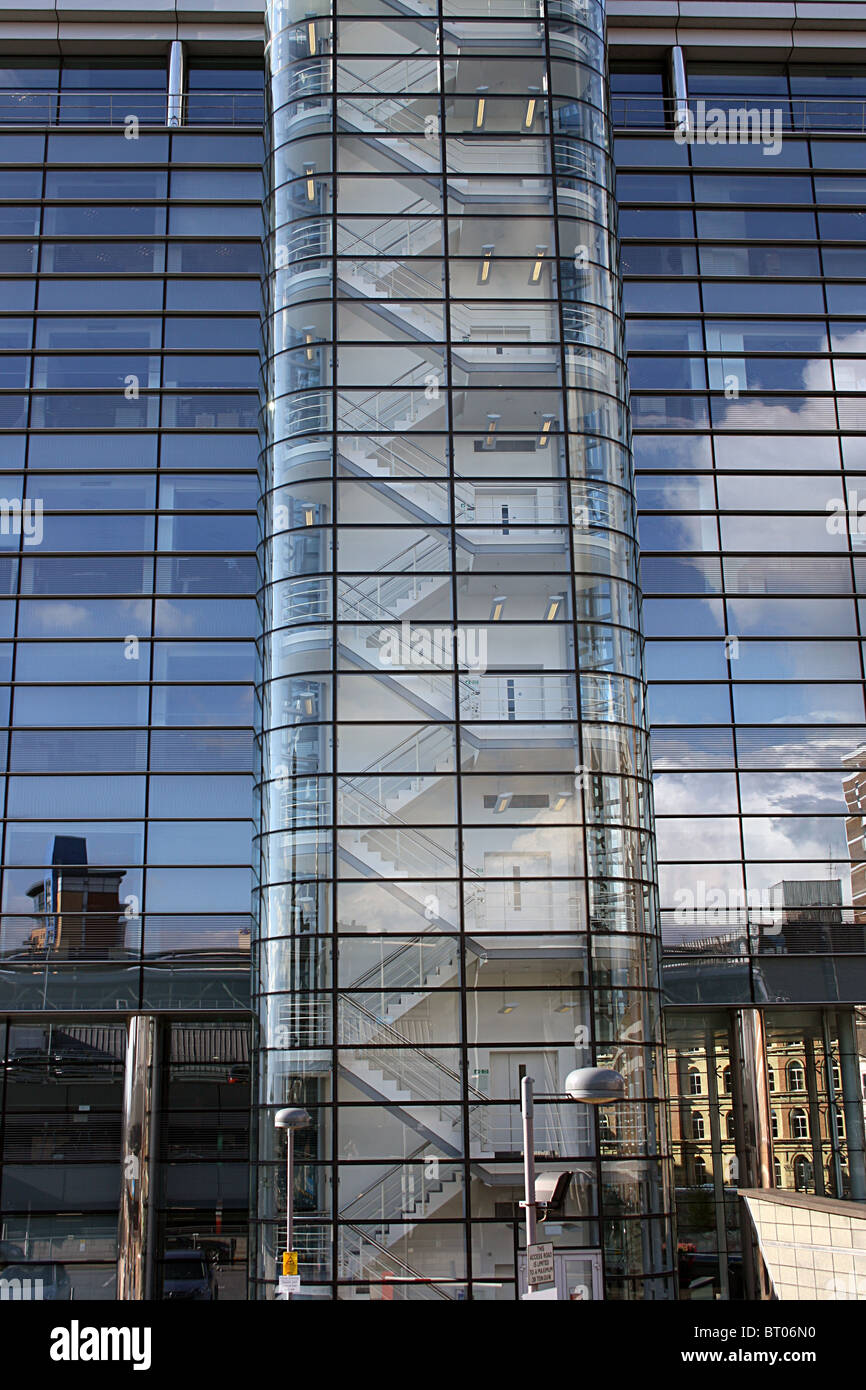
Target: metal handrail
<point x="411" y="1273"/>
<point x="824" y="114"/>
<point x="378" y="1183"/>
<point x="434" y="734"/>
<point x="442" y="947"/>
<point x="390" y="825"/>
<point x="93" y="107"/>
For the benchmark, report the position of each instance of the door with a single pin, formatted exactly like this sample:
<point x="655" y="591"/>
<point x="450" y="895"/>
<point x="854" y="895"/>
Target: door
<point x="507" y="1070"/>
<point x="521" y="900"/>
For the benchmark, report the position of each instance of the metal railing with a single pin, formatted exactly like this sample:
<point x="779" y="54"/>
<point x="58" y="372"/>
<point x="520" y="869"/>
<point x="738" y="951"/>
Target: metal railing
<point x="837" y="115"/>
<point x="106" y="108"/>
<point x="369" y="1259"/>
<point x="411" y="1068"/>
<point x="411" y="965"/>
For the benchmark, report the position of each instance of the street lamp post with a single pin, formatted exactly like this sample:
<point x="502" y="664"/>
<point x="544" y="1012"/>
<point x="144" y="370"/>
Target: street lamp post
<point x="290" y="1119"/>
<point x="592" y="1086"/>
<point x="527" y="1109"/>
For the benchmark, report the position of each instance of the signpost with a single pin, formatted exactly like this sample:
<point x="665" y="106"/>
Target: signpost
<point x="289" y="1281"/>
<point x="539" y="1267"/>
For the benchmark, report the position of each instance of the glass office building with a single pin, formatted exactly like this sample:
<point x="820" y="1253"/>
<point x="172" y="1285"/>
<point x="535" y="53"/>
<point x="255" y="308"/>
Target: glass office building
<point x="328" y="774"/>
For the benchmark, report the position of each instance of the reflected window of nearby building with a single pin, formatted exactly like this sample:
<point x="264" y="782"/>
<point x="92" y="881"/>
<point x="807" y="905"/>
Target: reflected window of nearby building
<point x="697" y="1125"/>
<point x="799" y="1124"/>
<point x="730" y="1125"/>
<point x="696" y="1085"/>
<point x="700" y="1170"/>
<point x="796" y="1076"/>
<point x="774" y="1121"/>
<point x="777" y="1172"/>
<point x="802" y="1173"/>
<point x="726" y="1081"/>
<point x="771" y="1079"/>
<point x="839" y="1120"/>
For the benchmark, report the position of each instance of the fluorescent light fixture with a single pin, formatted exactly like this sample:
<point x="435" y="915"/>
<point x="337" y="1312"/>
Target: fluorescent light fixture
<point x="492" y="422"/>
<point x="507" y="1009"/>
<point x="309" y="515"/>
<point x="537" y="266"/>
<point x="497" y="608"/>
<point x="309" y="174"/>
<point x="529" y="117"/>
<point x="565" y="1008"/>
<point x="480" y="104"/>
<point x="544" y="432"/>
<point x="562" y="801"/>
<point x="311" y="36"/>
<point x="554" y="605"/>
<point x="484" y="267"/>
<point x="305" y="706"/>
<point x="503" y="801"/>
<point x="309" y="339"/>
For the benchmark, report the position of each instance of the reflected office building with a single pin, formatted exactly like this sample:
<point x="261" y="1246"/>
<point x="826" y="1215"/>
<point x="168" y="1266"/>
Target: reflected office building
<point x="332" y="780"/>
<point x="78" y="910"/>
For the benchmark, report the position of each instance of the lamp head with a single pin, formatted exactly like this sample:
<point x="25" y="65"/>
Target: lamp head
<point x="294" y="1117"/>
<point x="595" y="1085"/>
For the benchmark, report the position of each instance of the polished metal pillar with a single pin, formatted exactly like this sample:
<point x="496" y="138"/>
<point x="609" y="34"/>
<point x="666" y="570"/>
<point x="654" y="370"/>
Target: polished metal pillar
<point x="135" y="1227"/>
<point x="815" y="1116"/>
<point x="175" y="84"/>
<point x="754" y="1131"/>
<point x="750" y="1045"/>
<point x="719" y="1175"/>
<point x="678" y="80"/>
<point x="836" y="1107"/>
<point x="852" y="1100"/>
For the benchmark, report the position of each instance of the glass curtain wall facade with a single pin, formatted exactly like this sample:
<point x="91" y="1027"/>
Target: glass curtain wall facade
<point x="455" y="850"/>
<point x="131" y="271"/>
<point x="744" y="280"/>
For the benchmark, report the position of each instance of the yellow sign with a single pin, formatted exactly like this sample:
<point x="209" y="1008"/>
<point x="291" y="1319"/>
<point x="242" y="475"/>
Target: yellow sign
<point x="290" y="1262"/>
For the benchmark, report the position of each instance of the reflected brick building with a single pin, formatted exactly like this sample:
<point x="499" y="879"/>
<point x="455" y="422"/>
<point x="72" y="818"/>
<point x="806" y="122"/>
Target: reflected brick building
<point x="78" y="909"/>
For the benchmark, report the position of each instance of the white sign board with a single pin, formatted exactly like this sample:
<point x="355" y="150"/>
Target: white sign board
<point x="540" y="1265"/>
<point x="289" y="1283"/>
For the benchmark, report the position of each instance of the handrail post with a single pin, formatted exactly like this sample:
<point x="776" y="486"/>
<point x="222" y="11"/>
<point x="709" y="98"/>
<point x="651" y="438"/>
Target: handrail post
<point x="529" y="1204"/>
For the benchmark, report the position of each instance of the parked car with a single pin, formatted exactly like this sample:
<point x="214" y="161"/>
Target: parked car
<point x="188" y="1274"/>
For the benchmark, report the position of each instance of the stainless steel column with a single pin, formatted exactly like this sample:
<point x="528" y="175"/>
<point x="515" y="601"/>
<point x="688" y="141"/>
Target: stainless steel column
<point x="175" y="84"/>
<point x="135" y="1230"/>
<point x="750" y="1045"/>
<point x="678" y="81"/>
<point x="718" y="1159"/>
<point x="852" y="1100"/>
<point x="815" y="1117"/>
<point x="754" y="1131"/>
